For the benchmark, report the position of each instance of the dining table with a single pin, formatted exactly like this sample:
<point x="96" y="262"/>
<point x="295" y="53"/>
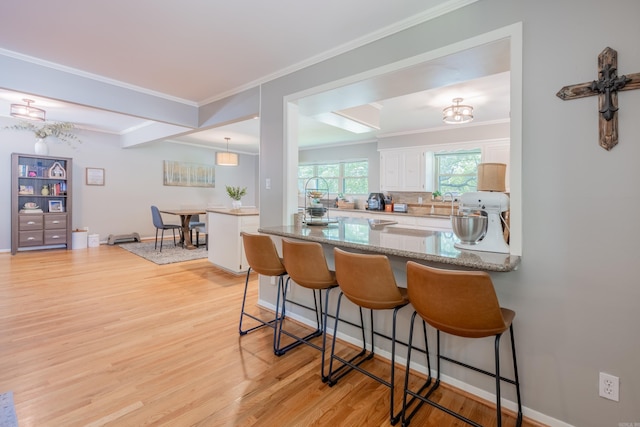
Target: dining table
<point x="185" y="219"/>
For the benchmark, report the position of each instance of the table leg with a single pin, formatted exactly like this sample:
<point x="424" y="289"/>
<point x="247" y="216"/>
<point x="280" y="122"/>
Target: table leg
<point x="186" y="235"/>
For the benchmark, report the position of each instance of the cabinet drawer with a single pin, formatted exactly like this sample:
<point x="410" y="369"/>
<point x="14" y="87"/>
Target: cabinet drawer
<point x="55" y="237"/>
<point x="30" y="238"/>
<point x="56" y="221"/>
<point x="31" y="222"/>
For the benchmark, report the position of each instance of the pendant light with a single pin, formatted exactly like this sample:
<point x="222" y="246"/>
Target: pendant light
<point x="27" y="112"/>
<point x="226" y="158"/>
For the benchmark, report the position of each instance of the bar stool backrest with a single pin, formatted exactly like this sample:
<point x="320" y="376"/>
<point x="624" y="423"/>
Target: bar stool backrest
<point x="262" y="254"/>
<point x="367" y="280"/>
<point x="306" y="264"/>
<point x="462" y="303"/>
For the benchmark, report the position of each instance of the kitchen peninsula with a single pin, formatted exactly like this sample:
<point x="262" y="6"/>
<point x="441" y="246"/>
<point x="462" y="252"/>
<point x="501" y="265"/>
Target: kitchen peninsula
<point x="420" y="244"/>
<point x="225" y="242"/>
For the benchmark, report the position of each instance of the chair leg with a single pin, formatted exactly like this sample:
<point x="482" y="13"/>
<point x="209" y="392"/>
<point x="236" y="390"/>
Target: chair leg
<point x="498" y="400"/>
<point x="262" y="322"/>
<point x="415" y="396"/>
<point x="280" y="350"/>
<point x="161" y="239"/>
<point x="355" y="361"/>
<point x="516" y="378"/>
<point x="156" y="246"/>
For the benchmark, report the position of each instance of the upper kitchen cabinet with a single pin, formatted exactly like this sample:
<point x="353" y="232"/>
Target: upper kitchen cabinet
<point x="403" y="170"/>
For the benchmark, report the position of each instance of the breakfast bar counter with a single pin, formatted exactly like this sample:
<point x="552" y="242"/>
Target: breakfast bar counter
<point x="415" y="243"/>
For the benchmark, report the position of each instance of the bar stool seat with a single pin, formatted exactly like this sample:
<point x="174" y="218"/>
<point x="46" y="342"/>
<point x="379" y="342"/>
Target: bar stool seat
<point x="369" y="283"/>
<point x="306" y="266"/>
<point x="262" y="257"/>
<point x="463" y="304"/>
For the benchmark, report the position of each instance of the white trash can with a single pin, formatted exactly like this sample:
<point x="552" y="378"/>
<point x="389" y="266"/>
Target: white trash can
<point x="94" y="240"/>
<point x="79" y="239"/>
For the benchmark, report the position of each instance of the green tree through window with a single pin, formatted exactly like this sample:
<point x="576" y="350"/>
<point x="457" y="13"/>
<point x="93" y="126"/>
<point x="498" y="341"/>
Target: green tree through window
<point x="457" y="172"/>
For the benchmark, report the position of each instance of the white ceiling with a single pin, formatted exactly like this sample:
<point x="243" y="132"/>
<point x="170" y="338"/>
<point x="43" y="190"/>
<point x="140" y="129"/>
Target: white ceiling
<point x="196" y="51"/>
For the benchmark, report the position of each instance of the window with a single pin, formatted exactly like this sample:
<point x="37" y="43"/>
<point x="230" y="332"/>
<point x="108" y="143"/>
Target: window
<point x="343" y="177"/>
<point x="457" y="172"/>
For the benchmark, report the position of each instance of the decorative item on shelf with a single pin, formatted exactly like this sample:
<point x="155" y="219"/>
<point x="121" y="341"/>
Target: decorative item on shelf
<point x="45" y="190"/>
<point x="57" y="171"/>
<point x="31" y="207"/>
<point x="225" y="158"/>
<point x="56" y="206"/>
<point x="25" y="190"/>
<point x="62" y="131"/>
<point x="41" y="148"/>
<point x="457" y="114"/>
<point x="28" y="111"/>
<point x="236" y="194"/>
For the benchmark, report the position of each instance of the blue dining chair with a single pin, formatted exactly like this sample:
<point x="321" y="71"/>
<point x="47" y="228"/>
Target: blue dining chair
<point x="196" y="224"/>
<point x="160" y="225"/>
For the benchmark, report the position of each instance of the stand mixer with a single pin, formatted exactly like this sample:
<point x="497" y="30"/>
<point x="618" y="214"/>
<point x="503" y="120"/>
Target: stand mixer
<point x="493" y="204"/>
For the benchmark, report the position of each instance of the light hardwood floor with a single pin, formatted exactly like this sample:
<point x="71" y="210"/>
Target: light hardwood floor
<point x="102" y="337"/>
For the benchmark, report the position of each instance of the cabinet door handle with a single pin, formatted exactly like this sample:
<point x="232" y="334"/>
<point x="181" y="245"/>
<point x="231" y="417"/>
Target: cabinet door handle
<point x="31" y="238"/>
<point x="31" y="222"/>
<point x="55" y="222"/>
<point x="55" y="237"/>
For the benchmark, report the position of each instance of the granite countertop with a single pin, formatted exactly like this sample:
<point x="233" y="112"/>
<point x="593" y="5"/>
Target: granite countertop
<point x="418" y="243"/>
<point x="236" y="212"/>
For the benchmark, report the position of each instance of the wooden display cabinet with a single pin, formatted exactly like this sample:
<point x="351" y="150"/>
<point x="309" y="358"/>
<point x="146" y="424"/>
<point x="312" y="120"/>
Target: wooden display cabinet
<point x="40" y="202"/>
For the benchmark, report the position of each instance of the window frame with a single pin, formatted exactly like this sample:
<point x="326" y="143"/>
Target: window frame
<point x="341" y="175"/>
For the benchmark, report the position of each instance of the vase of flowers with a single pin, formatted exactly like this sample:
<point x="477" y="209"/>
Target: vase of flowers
<point x="236" y="194"/>
<point x="63" y="131"/>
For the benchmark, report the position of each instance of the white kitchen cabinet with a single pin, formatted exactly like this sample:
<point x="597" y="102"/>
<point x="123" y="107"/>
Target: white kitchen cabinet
<point x="225" y="240"/>
<point x="402" y="170"/>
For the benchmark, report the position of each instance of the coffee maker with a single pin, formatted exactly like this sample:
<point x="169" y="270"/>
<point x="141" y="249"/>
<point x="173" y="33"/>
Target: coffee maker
<point x="375" y="202"/>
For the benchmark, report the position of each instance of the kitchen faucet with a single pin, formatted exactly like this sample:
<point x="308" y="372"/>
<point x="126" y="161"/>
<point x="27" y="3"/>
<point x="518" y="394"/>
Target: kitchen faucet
<point x="444" y="199"/>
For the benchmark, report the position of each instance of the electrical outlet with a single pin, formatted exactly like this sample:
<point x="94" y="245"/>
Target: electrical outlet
<point x="272" y="280"/>
<point x="609" y="387"/>
<point x="420" y="200"/>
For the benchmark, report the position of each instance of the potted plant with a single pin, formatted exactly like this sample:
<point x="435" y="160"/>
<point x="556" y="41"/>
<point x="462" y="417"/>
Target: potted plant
<point x="236" y="194"/>
<point x="436" y="195"/>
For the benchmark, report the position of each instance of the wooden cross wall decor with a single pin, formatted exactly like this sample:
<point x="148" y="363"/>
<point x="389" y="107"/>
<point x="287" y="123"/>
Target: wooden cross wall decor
<point x="606" y="87"/>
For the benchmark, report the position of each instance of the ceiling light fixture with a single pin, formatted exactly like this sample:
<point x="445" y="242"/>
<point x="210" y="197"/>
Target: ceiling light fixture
<point x="457" y="114"/>
<point x="27" y="112"/>
<point x="226" y="158"/>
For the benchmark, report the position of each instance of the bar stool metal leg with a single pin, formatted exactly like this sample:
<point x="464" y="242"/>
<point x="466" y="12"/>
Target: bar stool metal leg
<point x="261" y="322"/>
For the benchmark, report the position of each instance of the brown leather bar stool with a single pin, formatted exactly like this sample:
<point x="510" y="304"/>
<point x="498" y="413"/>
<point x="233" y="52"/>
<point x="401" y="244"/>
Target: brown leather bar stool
<point x="306" y="266"/>
<point x="464" y="304"/>
<point x="369" y="283"/>
<point x="263" y="258"/>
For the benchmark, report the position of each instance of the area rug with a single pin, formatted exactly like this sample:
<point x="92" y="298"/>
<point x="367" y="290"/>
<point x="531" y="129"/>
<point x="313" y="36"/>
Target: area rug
<point x="169" y="255"/>
<point x="7" y="411"/>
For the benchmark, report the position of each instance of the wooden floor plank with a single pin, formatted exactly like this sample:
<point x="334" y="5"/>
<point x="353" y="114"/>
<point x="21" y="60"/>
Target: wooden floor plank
<point x="103" y="337"/>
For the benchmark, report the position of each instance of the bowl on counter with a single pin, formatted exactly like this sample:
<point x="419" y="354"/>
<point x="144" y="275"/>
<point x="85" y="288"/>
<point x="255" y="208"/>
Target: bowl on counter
<point x="469" y="228"/>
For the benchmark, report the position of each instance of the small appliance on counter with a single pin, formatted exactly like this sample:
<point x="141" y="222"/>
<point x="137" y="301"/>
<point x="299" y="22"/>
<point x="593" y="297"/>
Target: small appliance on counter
<point x="481" y="232"/>
<point x="375" y="202"/>
<point x="400" y="207"/>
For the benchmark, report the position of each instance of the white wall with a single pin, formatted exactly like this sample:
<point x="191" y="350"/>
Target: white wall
<point x="576" y="292"/>
<point x="133" y="182"/>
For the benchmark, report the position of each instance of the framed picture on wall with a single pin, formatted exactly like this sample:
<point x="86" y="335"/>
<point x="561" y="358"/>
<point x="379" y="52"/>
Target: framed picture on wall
<point x="56" y="206"/>
<point x="94" y="176"/>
